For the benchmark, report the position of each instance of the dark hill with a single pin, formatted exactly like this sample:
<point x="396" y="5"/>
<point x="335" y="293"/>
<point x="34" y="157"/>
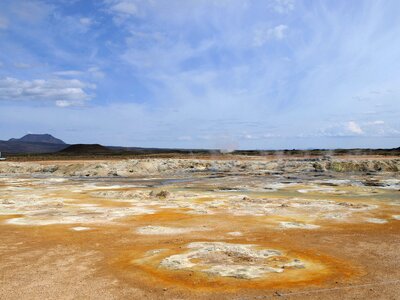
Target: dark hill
<point x="86" y="149"/>
<point x="39" y="138"/>
<point x="26" y="147"/>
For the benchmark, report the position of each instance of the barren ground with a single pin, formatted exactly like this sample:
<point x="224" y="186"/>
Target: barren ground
<point x="249" y="228"/>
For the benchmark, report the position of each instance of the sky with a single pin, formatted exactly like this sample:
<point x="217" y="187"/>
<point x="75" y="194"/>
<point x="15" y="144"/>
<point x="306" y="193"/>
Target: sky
<point x="224" y="74"/>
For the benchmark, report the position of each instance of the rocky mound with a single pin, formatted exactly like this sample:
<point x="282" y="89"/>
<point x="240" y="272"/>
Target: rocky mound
<point x="341" y="165"/>
<point x="135" y="167"/>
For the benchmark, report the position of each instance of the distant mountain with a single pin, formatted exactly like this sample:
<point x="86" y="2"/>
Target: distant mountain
<point x="33" y="143"/>
<point x="46" y="143"/>
<point x="23" y="148"/>
<point x="86" y="149"/>
<point x="39" y="138"/>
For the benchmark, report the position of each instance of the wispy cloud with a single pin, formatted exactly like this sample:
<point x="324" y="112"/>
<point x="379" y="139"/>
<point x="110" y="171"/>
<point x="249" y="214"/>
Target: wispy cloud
<point x="22" y="66"/>
<point x="125" y="7"/>
<point x="93" y="72"/>
<point x="86" y="21"/>
<point x="354" y="128"/>
<point x="68" y="73"/>
<point x="31" y="11"/>
<point x="261" y="36"/>
<point x="62" y="92"/>
<point x="282" y="6"/>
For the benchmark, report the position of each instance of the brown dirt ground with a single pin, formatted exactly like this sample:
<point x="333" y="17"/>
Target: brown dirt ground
<point x="53" y="262"/>
<point x="49" y="262"/>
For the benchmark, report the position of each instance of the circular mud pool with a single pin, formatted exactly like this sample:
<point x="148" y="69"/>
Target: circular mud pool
<point x="232" y="264"/>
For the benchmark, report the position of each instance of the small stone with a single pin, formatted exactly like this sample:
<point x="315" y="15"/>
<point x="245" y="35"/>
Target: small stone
<point x="162" y="194"/>
<point x="277" y="294"/>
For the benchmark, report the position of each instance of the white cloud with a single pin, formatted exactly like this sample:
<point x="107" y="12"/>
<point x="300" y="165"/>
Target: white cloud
<point x="249" y="137"/>
<point x="262" y="35"/>
<point x="93" y="72"/>
<point x="377" y="128"/>
<point x="62" y="92"/>
<point x="282" y="6"/>
<point x="3" y="23"/>
<point x="66" y="103"/>
<point x="378" y="122"/>
<point x="22" y="66"/>
<point x="278" y="32"/>
<point x="32" y="11"/>
<point x="270" y="135"/>
<point x="86" y="21"/>
<point x="353" y="127"/>
<point x="124" y="7"/>
<point x="96" y="72"/>
<point x="68" y="73"/>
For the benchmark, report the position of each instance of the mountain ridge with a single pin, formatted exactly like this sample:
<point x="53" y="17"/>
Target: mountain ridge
<point x="38" y="138"/>
<point x="48" y="144"/>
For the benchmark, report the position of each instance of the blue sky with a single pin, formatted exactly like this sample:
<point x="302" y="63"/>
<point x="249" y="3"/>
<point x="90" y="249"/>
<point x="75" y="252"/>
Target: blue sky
<point x="232" y="74"/>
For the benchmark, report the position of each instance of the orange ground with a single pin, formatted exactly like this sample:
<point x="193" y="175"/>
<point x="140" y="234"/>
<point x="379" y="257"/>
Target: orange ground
<point x="355" y="260"/>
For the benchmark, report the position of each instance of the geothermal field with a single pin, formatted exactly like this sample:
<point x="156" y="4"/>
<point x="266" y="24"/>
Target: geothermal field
<point x="211" y="228"/>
